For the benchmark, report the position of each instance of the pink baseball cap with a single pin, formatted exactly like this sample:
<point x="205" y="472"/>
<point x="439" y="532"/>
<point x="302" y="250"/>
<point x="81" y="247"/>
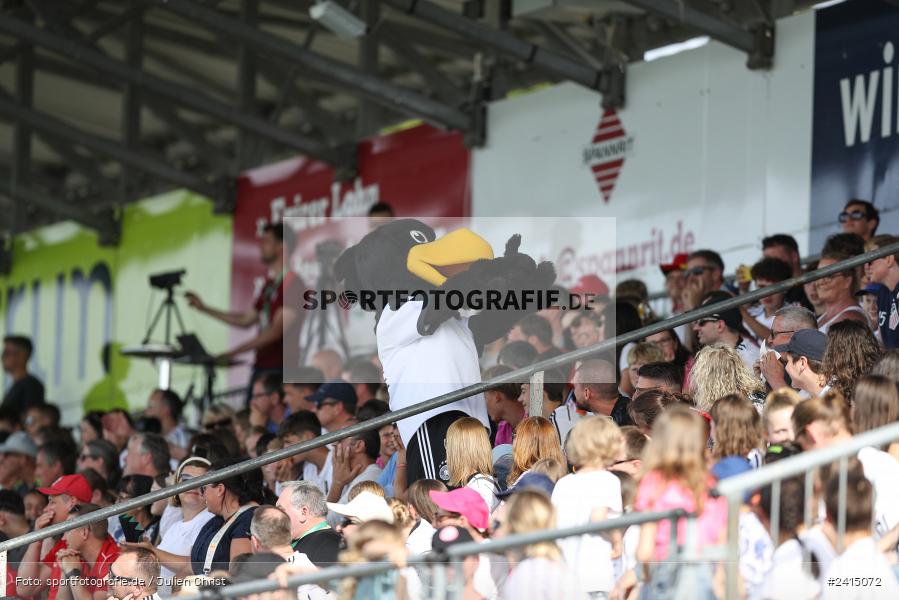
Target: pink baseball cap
<point x="467" y="503"/>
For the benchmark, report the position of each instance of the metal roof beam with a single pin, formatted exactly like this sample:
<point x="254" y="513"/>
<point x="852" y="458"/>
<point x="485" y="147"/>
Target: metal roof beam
<point x="173" y="92"/>
<point x="503" y="42"/>
<point x="442" y="86"/>
<point x="342" y="74"/>
<point x="45" y="122"/>
<point x="758" y="43"/>
<point x="108" y="228"/>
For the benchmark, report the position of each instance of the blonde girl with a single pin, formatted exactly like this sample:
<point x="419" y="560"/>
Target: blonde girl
<point x="538" y="571"/>
<point x="469" y="459"/>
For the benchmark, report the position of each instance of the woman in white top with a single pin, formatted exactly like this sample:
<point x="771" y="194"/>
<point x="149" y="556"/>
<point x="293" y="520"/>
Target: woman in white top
<point x="837" y="294"/>
<point x="469" y="459"/>
<point x="181" y="521"/>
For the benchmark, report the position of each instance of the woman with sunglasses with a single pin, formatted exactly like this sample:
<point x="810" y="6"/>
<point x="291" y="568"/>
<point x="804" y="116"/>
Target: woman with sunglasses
<point x="837" y="294"/>
<point x="227" y="535"/>
<point x="183" y="518"/>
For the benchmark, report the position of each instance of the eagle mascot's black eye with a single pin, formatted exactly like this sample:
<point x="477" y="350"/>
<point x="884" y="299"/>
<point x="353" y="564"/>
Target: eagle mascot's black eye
<point x="418" y="236"/>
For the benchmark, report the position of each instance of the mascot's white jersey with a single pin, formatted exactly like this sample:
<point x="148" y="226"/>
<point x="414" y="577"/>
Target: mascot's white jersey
<point x="417" y="368"/>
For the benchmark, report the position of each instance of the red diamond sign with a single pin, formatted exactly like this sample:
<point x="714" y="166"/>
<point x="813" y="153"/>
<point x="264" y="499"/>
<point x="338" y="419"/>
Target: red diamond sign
<point x="605" y="155"/>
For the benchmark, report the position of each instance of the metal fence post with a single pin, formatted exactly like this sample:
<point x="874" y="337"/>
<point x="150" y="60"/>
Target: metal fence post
<point x="535" y="403"/>
<point x="841" y="510"/>
<point x="732" y="564"/>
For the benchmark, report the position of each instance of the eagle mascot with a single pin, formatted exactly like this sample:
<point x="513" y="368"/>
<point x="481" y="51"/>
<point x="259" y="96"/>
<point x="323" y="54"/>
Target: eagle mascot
<point x="427" y="349"/>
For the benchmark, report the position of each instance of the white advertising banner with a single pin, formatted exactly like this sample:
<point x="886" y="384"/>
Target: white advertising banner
<point x="706" y="153"/>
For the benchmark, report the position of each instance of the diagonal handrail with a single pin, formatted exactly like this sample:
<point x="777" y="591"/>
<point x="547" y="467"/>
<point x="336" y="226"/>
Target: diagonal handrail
<point x="515" y="376"/>
<point x="497" y="546"/>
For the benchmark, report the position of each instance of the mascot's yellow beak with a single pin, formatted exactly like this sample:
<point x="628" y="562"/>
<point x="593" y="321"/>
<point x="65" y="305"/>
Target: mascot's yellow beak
<point x="451" y="254"/>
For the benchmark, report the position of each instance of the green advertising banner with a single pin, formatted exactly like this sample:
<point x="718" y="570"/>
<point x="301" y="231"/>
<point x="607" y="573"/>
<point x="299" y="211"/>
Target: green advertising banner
<point x="75" y="298"/>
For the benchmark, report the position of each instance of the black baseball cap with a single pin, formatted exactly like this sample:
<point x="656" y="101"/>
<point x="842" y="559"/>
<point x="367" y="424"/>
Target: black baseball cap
<point x="731" y="317"/>
<point x="338" y="390"/>
<point x="809" y="343"/>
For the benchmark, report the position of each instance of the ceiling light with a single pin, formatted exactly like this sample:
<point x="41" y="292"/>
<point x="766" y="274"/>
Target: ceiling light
<point x="672" y="49"/>
<point x="338" y="19"/>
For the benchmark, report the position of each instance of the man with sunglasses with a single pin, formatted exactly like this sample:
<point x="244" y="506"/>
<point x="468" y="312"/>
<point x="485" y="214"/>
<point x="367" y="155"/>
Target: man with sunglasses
<point x="726" y="327"/>
<point x="860" y="217"/>
<point x="787" y="321"/>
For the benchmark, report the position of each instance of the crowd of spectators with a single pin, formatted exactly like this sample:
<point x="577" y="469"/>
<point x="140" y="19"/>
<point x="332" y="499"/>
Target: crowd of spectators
<point x="651" y="427"/>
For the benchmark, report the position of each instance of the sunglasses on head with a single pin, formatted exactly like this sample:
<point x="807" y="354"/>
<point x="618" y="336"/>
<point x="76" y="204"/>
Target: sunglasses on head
<point x="855" y="215"/>
<point x="702" y="322"/>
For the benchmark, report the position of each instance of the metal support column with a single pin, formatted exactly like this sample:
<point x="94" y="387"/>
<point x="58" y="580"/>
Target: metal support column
<point x="246" y="83"/>
<point x="131" y="104"/>
<point x="369" y="50"/>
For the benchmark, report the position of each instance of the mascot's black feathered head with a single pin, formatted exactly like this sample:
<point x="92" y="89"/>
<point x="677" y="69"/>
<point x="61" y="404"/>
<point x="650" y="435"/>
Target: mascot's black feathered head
<point x="406" y="255"/>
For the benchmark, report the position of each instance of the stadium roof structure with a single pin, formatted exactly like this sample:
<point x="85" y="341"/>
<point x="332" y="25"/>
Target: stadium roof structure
<point x="103" y="102"/>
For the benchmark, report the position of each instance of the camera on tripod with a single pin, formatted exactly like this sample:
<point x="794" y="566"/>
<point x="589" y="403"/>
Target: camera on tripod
<point x="167" y="280"/>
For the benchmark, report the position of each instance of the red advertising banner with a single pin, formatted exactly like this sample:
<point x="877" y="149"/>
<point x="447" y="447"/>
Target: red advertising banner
<point x="419" y="172"/>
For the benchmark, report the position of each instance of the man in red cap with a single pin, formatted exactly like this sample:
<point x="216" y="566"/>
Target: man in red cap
<point x="39" y="563"/>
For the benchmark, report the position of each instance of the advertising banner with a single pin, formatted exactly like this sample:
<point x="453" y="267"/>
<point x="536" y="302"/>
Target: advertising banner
<point x="855" y="148"/>
<point x="705" y="154"/>
<point x="420" y="172"/>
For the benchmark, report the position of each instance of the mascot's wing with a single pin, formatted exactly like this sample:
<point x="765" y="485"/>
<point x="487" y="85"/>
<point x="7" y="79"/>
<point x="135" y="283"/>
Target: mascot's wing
<point x="511" y="278"/>
<point x="508" y="275"/>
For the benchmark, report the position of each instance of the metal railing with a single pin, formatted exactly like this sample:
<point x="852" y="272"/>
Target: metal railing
<point x="515" y="376"/>
<point x="805" y="464"/>
<point x="454" y="554"/>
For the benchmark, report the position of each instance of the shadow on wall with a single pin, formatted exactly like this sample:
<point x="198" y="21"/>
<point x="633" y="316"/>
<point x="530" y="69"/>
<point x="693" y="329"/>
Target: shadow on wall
<point x="107" y="394"/>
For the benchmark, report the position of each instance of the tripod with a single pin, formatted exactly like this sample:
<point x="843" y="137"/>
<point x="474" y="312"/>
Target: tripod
<point x="317" y="327"/>
<point x="168" y="307"/>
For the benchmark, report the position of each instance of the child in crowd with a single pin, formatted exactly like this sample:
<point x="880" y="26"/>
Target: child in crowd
<point x="553" y="468"/>
<point x="590" y="494"/>
<point x="861" y="560"/>
<point x="736" y="430"/>
<point x="676" y="476"/>
<point x="626" y="564"/>
<point x="789" y="578"/>
<point x="425" y="511"/>
<point x="777" y="415"/>
<point x="469" y="459"/>
<point x="538" y="571"/>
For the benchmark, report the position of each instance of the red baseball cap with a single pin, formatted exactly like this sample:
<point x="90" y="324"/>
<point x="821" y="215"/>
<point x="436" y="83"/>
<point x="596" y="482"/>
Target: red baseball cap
<point x="590" y="284"/>
<point x="467" y="503"/>
<point x="678" y="264"/>
<point x="73" y="485"/>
